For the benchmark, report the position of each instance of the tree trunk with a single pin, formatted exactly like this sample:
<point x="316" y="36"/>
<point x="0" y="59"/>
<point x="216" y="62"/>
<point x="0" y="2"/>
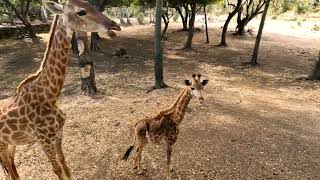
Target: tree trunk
<point x="94" y="35"/>
<point x="158" y="59"/>
<point x="11" y="18"/>
<point x="185" y="24"/>
<point x="74" y="44"/>
<point x="223" y="42"/>
<point x="241" y="23"/>
<point x="188" y="46"/>
<point x="184" y="19"/>
<point x="26" y="12"/>
<point x="88" y="83"/>
<point x="206" y="23"/>
<point x="315" y="75"/>
<point x="128" y="16"/>
<point x="94" y="46"/>
<point x="240" y="28"/>
<point x="26" y="23"/>
<point x="44" y="14"/>
<point x="258" y="39"/>
<point x="150" y="18"/>
<point x="166" y="24"/>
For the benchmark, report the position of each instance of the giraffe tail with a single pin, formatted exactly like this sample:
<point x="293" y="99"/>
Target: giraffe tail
<point x="127" y="154"/>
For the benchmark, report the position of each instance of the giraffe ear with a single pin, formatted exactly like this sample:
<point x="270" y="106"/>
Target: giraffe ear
<point x="53" y="6"/>
<point x="187" y="82"/>
<point x="204" y="82"/>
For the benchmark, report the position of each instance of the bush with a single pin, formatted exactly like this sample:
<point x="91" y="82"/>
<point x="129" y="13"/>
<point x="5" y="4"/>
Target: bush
<point x="303" y="7"/>
<point x="316" y="28"/>
<point x="175" y="17"/>
<point x="140" y="18"/>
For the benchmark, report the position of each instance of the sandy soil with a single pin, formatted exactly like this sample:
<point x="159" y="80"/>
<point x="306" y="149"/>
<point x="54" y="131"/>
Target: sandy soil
<point x="257" y="123"/>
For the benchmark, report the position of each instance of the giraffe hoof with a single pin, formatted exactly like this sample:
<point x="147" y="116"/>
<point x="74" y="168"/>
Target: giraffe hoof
<point x="171" y="169"/>
<point x="140" y="172"/>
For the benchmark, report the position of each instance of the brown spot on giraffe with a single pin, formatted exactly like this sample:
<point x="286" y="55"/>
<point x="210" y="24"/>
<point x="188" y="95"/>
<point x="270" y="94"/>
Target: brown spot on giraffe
<point x="57" y="71"/>
<point x="60" y="82"/>
<point x="13" y="113"/>
<point x="32" y="115"/>
<point x="23" y="127"/>
<point x="12" y="126"/>
<point x="32" y="126"/>
<point x="22" y="110"/>
<point x="17" y="135"/>
<point x="5" y="138"/>
<point x="2" y="125"/>
<point x="6" y="130"/>
<point x="165" y="125"/>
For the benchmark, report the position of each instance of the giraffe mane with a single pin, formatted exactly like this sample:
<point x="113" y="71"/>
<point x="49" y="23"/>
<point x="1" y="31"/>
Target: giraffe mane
<point x="32" y="77"/>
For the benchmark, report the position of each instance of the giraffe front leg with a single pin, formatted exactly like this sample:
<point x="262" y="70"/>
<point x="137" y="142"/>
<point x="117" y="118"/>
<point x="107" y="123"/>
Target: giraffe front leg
<point x="7" y="160"/>
<point x="11" y="152"/>
<point x="60" y="156"/>
<point x="50" y="151"/>
<point x="169" y="151"/>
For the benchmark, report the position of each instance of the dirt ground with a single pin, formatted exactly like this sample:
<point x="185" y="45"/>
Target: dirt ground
<point x="257" y="122"/>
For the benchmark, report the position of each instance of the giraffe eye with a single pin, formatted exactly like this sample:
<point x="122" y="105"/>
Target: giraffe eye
<point x="192" y="88"/>
<point x="82" y="12"/>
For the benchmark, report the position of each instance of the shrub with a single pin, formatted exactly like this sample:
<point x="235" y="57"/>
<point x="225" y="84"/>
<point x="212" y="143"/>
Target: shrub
<point x="140" y="18"/>
<point x="175" y="17"/>
<point x="302" y="7"/>
<point x="316" y="27"/>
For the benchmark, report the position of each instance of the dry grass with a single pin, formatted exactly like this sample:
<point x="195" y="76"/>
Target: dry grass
<point x="257" y="123"/>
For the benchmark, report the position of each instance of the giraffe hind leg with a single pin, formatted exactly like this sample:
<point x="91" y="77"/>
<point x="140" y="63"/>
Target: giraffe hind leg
<point x="7" y="160"/>
<point x="141" y="142"/>
<point x="12" y="151"/>
<point x="139" y="157"/>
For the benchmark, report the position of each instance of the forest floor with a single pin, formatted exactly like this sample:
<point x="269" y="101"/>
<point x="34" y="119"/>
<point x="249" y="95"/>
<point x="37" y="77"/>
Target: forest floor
<point x="257" y="122"/>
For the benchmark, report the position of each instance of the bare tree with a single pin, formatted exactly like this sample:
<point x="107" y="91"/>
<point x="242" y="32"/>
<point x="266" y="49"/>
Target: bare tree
<point x="236" y="7"/>
<point x="87" y="73"/>
<point x="258" y="39"/>
<point x="100" y="6"/>
<point x="167" y="14"/>
<point x="184" y="15"/>
<point x="25" y="21"/>
<point x="249" y="10"/>
<point x="158" y="59"/>
<point x="26" y="11"/>
<point x="188" y="46"/>
<point x="206" y="23"/>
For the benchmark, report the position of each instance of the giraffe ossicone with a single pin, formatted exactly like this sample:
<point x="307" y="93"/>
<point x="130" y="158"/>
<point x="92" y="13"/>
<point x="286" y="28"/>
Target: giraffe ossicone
<point x="31" y="114"/>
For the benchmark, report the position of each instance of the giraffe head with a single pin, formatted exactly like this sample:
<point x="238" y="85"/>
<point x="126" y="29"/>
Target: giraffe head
<point x="80" y="15"/>
<point x="196" y="85"/>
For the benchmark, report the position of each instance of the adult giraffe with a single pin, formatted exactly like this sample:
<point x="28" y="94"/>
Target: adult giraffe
<point x="31" y="114"/>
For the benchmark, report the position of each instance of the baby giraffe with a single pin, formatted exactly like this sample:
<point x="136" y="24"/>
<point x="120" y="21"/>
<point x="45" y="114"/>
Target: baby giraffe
<point x="165" y="124"/>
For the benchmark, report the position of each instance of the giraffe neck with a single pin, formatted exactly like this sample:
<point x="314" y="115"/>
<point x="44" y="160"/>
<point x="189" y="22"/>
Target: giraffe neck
<point x="47" y="83"/>
<point x="179" y="108"/>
